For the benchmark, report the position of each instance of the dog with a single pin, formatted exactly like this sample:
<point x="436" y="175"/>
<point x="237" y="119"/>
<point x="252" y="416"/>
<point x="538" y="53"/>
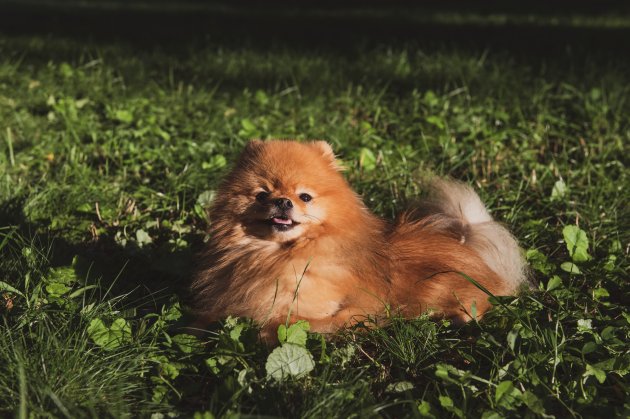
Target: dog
<point x="290" y="240"/>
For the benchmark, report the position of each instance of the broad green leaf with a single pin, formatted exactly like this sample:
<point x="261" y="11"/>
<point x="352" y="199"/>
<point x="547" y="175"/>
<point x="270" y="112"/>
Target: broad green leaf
<point x="512" y="335"/>
<point x="66" y="70"/>
<point x="599" y="293"/>
<point x="399" y="387"/>
<point x="57" y="289"/>
<point x="206" y="197"/>
<point x="366" y="127"/>
<point x="584" y="325"/>
<point x="449" y="373"/>
<point x="608" y="333"/>
<point x="248" y="125"/>
<point x="167" y="368"/>
<point x="159" y="131"/>
<point x="559" y="190"/>
<point x="437" y="121"/>
<point x="85" y="207"/>
<point x="81" y="102"/>
<point x="212" y="364"/>
<point x="424" y="409"/>
<point x="538" y="261"/>
<point x="595" y="94"/>
<point x="282" y="333"/>
<point x="607" y="365"/>
<point x="533" y="403"/>
<point x="261" y="98"/>
<point x="431" y="98"/>
<point x="447" y="404"/>
<point x="217" y="161"/>
<point x="289" y="360"/>
<point x="554" y="282"/>
<point x="589" y="347"/>
<point x="344" y="355"/>
<point x="577" y="243"/>
<point x="236" y="331"/>
<point x="618" y="364"/>
<point x="507" y="396"/>
<point x="441" y="371"/>
<point x="505" y="387"/>
<point x="367" y="159"/>
<point x="123" y="115"/>
<point x="173" y="312"/>
<point x="63" y="275"/>
<point x="249" y="130"/>
<point x="446" y="401"/>
<point x="99" y="332"/>
<point x="122" y="328"/>
<point x="159" y="393"/>
<point x="570" y="267"/>
<point x="143" y="237"/>
<point x="109" y="337"/>
<point x="187" y="343"/>
<point x="296" y="333"/>
<point x="615" y="247"/>
<point x="611" y="262"/>
<point x="599" y="374"/>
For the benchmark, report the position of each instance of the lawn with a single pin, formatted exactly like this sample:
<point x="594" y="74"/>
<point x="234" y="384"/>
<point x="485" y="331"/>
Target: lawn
<point x="113" y="142"/>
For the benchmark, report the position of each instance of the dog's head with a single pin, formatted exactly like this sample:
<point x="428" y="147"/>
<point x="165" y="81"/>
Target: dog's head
<point x="281" y="191"/>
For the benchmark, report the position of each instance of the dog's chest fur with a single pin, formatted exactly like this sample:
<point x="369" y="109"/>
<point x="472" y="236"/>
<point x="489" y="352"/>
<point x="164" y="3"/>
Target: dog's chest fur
<point x="310" y="288"/>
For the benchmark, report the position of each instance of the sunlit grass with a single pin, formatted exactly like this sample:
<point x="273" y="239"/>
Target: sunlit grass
<point x="109" y="154"/>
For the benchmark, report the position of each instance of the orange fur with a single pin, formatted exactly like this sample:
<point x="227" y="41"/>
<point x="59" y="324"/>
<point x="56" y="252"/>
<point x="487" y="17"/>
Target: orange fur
<point x="431" y="269"/>
<point x="329" y="260"/>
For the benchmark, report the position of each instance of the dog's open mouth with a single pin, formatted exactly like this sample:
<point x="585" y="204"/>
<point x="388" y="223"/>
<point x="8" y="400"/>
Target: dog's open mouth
<point x="282" y="222"/>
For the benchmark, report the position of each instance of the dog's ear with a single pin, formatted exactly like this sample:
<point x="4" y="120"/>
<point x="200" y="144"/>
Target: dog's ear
<point x="252" y="149"/>
<point x="254" y="145"/>
<point x="327" y="153"/>
<point x="251" y="153"/>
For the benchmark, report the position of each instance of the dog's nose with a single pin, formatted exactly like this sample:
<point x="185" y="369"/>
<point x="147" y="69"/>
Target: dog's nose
<point x="283" y="203"/>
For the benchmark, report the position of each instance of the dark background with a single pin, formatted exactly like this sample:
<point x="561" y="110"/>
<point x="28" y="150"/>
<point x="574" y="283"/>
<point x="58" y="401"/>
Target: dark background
<point x="531" y="27"/>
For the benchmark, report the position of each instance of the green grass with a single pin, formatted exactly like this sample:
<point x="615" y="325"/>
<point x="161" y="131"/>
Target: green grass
<point x="110" y="151"/>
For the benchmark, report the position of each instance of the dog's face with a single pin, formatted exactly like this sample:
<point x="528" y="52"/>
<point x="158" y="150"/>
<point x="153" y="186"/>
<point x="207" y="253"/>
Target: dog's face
<point x="281" y="191"/>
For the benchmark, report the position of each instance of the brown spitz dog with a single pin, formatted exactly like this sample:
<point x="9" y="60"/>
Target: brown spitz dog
<point x="291" y="240"/>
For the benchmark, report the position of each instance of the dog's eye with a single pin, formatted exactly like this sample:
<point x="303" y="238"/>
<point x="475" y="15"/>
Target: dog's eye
<point x="262" y="196"/>
<point x="305" y="197"/>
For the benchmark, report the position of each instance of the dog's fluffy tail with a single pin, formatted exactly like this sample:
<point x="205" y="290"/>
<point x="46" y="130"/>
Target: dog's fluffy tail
<point x="478" y="230"/>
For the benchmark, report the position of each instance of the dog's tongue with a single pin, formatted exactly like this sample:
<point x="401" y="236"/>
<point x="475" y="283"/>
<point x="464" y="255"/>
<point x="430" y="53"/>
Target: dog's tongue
<point x="284" y="221"/>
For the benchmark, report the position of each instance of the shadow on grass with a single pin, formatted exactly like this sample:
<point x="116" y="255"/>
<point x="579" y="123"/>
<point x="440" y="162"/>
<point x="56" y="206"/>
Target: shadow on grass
<point x="148" y="277"/>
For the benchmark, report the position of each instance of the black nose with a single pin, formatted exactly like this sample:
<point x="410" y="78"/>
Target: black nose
<point x="283" y="203"/>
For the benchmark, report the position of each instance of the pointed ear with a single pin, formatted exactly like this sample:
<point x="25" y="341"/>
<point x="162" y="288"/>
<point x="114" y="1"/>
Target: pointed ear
<point x="251" y="152"/>
<point x="254" y="144"/>
<point x="327" y="153"/>
<point x="252" y="148"/>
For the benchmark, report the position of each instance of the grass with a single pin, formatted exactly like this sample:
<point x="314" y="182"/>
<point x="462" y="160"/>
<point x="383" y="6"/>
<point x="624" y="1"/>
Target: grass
<point x="110" y="149"/>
